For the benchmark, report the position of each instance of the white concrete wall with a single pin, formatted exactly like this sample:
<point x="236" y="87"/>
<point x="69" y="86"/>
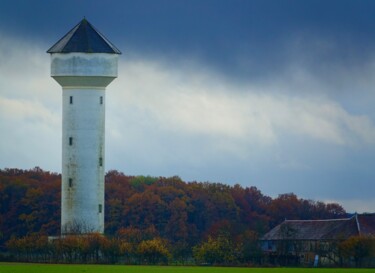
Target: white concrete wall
<point x="84" y="69"/>
<point x="84" y="123"/>
<point x="84" y="64"/>
<point x="83" y="77"/>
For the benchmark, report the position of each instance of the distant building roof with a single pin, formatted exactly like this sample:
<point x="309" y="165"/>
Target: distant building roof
<point x="323" y="229"/>
<point x="84" y="38"/>
<point x="366" y="223"/>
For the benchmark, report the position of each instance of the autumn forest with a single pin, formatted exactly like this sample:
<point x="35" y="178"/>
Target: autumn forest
<point x="179" y="218"/>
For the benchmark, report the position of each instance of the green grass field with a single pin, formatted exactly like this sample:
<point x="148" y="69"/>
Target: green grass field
<point x="47" y="268"/>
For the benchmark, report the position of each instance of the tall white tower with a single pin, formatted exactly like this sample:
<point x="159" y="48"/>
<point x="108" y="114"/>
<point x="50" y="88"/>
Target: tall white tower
<point x="84" y="63"/>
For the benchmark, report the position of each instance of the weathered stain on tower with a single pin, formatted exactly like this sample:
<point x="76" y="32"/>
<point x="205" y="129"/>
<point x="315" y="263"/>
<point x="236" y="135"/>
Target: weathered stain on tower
<point x="84" y="63"/>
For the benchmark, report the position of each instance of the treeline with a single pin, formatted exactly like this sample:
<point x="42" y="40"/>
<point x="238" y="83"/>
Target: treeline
<point x="188" y="219"/>
<point x="88" y="248"/>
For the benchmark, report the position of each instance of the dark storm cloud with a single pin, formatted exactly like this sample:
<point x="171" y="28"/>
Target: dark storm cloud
<point x="242" y="38"/>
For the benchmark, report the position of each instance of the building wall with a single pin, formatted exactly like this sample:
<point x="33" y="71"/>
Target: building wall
<point x="84" y="77"/>
<point x="83" y="162"/>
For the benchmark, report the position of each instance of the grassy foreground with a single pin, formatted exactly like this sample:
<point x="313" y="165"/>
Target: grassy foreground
<point x="57" y="268"/>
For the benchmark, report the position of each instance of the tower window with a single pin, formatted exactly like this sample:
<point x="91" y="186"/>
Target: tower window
<point x="100" y="208"/>
<point x="71" y="99"/>
<point x="101" y="99"/>
<point x="70" y="182"/>
<point x="100" y="161"/>
<point x="70" y="141"/>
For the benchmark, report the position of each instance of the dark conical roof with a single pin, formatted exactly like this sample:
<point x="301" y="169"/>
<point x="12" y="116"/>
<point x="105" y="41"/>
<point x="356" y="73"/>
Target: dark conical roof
<point x="84" y="38"/>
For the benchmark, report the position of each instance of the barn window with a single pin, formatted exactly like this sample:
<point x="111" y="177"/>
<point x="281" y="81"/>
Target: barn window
<point x="71" y="99"/>
<point x="70" y="141"/>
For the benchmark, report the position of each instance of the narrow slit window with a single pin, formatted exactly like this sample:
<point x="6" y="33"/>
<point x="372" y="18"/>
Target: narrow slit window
<point x="101" y="99"/>
<point x="70" y="182"/>
<point x="71" y="99"/>
<point x="100" y="161"/>
<point x="70" y="141"/>
<point x="100" y="208"/>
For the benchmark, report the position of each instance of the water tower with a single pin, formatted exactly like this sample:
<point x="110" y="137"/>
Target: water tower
<point x="84" y="63"/>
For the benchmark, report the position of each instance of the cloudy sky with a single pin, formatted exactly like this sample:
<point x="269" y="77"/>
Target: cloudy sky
<point x="274" y="94"/>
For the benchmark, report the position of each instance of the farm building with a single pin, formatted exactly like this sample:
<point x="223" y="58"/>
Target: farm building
<point x="313" y="242"/>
